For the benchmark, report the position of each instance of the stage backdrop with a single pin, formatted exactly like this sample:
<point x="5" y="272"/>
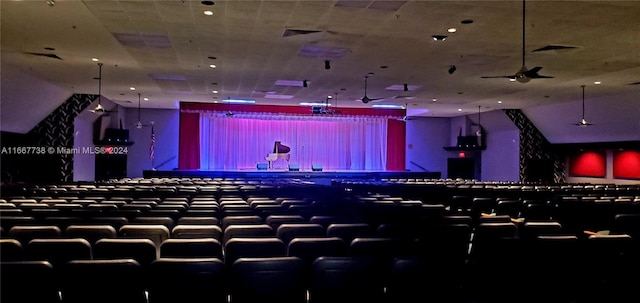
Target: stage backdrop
<point x="354" y="139"/>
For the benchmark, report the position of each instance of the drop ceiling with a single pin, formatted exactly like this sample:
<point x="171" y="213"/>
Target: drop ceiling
<point x="164" y="48"/>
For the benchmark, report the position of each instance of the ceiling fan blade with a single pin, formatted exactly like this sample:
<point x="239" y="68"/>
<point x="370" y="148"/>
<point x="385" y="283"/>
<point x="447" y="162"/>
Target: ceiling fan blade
<point x="490" y="77"/>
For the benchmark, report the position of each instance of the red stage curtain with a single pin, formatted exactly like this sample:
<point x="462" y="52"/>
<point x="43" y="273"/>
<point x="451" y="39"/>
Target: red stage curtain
<point x="396" y="142"/>
<point x="189" y="148"/>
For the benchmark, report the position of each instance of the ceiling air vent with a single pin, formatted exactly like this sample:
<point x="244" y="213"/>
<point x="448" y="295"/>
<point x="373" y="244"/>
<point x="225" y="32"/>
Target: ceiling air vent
<point x="295" y="32"/>
<point x="555" y="48"/>
<point x="53" y="56"/>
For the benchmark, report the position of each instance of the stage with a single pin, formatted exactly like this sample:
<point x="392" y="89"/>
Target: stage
<point x="286" y="174"/>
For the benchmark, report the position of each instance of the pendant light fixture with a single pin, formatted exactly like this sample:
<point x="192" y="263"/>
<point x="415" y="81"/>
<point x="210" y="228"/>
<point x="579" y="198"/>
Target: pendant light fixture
<point x="99" y="109"/>
<point x="583" y="122"/>
<point x="479" y="131"/>
<point x="139" y="123"/>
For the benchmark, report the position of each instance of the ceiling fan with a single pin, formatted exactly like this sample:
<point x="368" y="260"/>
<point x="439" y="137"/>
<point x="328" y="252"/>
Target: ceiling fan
<point x="524" y="74"/>
<point x="583" y="121"/>
<point x="366" y="99"/>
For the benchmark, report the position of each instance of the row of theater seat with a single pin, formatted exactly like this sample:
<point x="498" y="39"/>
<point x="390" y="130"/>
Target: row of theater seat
<point x="479" y="257"/>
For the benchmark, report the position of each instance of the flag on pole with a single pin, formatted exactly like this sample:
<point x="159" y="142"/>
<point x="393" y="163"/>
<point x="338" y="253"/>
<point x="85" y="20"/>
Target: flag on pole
<point x="153" y="143"/>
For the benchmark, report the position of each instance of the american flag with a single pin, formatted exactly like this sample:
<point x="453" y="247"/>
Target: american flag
<point x="153" y="143"/>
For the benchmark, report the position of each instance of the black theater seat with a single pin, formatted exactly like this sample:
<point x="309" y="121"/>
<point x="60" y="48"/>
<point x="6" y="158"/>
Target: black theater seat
<point x="24" y="234"/>
<point x="103" y="281"/>
<point x="91" y="233"/>
<point x="279" y="279"/>
<point x="28" y="281"/>
<point x="58" y="251"/>
<point x="346" y="279"/>
<point x="199" y="280"/>
<point x="289" y="231"/>
<point x="11" y="250"/>
<point x="142" y="250"/>
<point x="191" y="248"/>
<point x="253" y="248"/>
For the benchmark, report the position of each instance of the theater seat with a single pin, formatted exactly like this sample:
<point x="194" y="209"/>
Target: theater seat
<point x="28" y="281"/>
<point x="58" y="251"/>
<point x="103" y="281"/>
<point x="268" y="280"/>
<point x="91" y="233"/>
<point x="191" y="248"/>
<point x="142" y="250"/>
<point x="345" y="280"/>
<point x="198" y="280"/>
<point x="253" y="248"/>
<point x="11" y="250"/>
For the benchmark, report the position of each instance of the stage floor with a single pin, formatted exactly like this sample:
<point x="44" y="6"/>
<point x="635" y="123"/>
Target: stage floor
<point x="286" y="174"/>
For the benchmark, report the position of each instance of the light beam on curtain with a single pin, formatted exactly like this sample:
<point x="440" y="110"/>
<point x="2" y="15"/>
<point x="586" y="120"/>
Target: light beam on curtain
<point x="338" y="143"/>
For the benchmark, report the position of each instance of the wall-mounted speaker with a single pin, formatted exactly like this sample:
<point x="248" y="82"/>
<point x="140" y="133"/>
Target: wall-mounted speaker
<point x="262" y="166"/>
<point x="316" y="167"/>
<point x="294" y="167"/>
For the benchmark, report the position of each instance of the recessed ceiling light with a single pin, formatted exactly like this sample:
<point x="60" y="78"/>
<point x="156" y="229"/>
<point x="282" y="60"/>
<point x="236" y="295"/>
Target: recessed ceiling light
<point x="452" y="30"/>
<point x="145" y="99"/>
<point x="212" y="57"/>
<point x="384" y="66"/>
<point x="597" y="82"/>
<point x="329" y="97"/>
<point x="466" y="21"/>
<point x="434" y="99"/>
<point x="512" y="79"/>
<point x="439" y="37"/>
<point x="208" y="13"/>
<point x="132" y="88"/>
<point x="95" y="59"/>
<point x="207" y="2"/>
<point x="212" y="65"/>
<point x="215" y="91"/>
<point x="499" y="101"/>
<point x="459" y="109"/>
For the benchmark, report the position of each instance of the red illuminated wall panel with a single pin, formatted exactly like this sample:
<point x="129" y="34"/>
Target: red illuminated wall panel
<point x="588" y="164"/>
<point x="626" y="164"/>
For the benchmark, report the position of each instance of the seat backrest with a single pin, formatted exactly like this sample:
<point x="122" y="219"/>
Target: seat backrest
<point x="154" y="220"/>
<point x="58" y="251"/>
<point x="253" y="248"/>
<point x="247" y="231"/>
<point x="196" y="231"/>
<point x="289" y="231"/>
<point x="11" y="250"/>
<point x="280" y="279"/>
<point x="28" y="281"/>
<point x="191" y="248"/>
<point x="350" y="231"/>
<point x="346" y="279"/>
<point x="243" y="220"/>
<point x="24" y="234"/>
<point x="188" y="220"/>
<point x="154" y="232"/>
<point x="384" y="249"/>
<point x="115" y="221"/>
<point x="195" y="280"/>
<point x="93" y="281"/>
<point x="276" y="220"/>
<point x="91" y="233"/>
<point x="143" y="251"/>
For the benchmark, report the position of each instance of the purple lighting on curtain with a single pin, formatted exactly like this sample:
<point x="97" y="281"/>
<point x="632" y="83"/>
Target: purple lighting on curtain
<point x="340" y="143"/>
